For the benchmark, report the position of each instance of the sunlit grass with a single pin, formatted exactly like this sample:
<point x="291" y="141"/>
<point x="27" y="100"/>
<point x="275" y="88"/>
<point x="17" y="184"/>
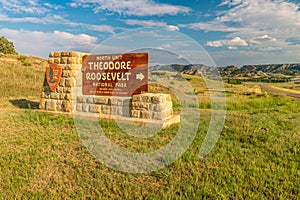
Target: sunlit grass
<point x="256" y="157"/>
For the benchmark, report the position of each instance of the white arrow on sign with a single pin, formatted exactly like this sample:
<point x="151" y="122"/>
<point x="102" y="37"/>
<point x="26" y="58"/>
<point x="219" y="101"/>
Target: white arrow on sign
<point x="140" y="76"/>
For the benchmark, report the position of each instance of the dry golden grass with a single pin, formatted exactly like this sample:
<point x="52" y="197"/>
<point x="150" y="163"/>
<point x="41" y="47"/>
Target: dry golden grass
<point x="21" y="85"/>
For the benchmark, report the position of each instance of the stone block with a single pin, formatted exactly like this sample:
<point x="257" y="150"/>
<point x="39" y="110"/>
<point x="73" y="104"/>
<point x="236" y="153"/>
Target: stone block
<point x="65" y="54"/>
<point x="62" y="82"/>
<point x="136" y="105"/>
<point x="144" y="106"/>
<point x="95" y="108"/>
<point x="74" y="60"/>
<point x="51" y="105"/>
<point x="158" y="99"/>
<point x="72" y="67"/>
<point x="160" y="107"/>
<point x="67" y="106"/>
<point x="78" y="81"/>
<point x="145" y="115"/>
<point x="159" y="115"/>
<point x="125" y="110"/>
<point x="146" y="98"/>
<point x="123" y="102"/>
<point x="47" y="95"/>
<point x="101" y="100"/>
<point x="162" y="115"/>
<point x="76" y="73"/>
<point x="81" y="99"/>
<point x="42" y="95"/>
<point x="79" y="107"/>
<point x="57" y="54"/>
<point x="74" y="54"/>
<point x="85" y="107"/>
<point x="136" y="98"/>
<point x="90" y="100"/>
<point x="51" y="54"/>
<point x="114" y="101"/>
<point x="66" y="73"/>
<point x="60" y="90"/>
<point x="106" y="110"/>
<point x="70" y="82"/>
<point x="64" y="60"/>
<point x="135" y="113"/>
<point x="67" y="90"/>
<point x="42" y="104"/>
<point x="114" y="110"/>
<point x="51" y="60"/>
<point x="62" y="96"/>
<point x="57" y="60"/>
<point x="152" y="107"/>
<point x="54" y="95"/>
<point x="68" y="96"/>
<point x="59" y="106"/>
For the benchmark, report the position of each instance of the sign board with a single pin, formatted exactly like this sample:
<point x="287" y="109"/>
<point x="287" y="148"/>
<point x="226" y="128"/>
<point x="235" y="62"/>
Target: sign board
<point x="115" y="74"/>
<point x="53" y="76"/>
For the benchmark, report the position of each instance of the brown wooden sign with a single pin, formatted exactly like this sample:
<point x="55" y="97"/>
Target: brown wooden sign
<point x="115" y="74"/>
<point x="53" y="76"/>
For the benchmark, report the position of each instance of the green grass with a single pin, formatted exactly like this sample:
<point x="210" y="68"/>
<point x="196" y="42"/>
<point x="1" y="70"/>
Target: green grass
<point x="256" y="157"/>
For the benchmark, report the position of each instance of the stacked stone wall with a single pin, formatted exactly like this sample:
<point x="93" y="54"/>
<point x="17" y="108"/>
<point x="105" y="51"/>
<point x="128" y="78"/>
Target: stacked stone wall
<point x="61" y="99"/>
<point x="151" y="106"/>
<point x="142" y="106"/>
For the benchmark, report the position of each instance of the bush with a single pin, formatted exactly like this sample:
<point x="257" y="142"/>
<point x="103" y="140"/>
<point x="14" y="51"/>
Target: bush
<point x="24" y="60"/>
<point x="234" y="81"/>
<point x="6" y="47"/>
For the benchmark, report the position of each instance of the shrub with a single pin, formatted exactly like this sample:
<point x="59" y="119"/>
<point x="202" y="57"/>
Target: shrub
<point x="24" y="60"/>
<point x="6" y="47"/>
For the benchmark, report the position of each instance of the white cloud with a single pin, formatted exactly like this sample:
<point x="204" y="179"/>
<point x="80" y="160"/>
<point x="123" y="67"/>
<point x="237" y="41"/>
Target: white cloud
<point x="132" y="7"/>
<point x="145" y="23"/>
<point x="230" y="2"/>
<point x="232" y="48"/>
<point x="253" y="18"/>
<point x="99" y="28"/>
<point x="53" y="6"/>
<point x="173" y="28"/>
<point x="81" y="39"/>
<point x="22" y="6"/>
<point x="41" y="43"/>
<point x="266" y="38"/>
<point x="56" y="19"/>
<point x="231" y="44"/>
<point x="266" y="25"/>
<point x="20" y="19"/>
<point x="151" y="23"/>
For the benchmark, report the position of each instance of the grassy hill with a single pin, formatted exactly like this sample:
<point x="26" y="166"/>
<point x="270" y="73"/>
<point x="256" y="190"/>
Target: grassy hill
<point x="21" y="75"/>
<point x="257" y="155"/>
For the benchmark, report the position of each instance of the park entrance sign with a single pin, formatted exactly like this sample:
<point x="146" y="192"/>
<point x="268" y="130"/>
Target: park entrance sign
<point x="106" y="86"/>
<point x="115" y="74"/>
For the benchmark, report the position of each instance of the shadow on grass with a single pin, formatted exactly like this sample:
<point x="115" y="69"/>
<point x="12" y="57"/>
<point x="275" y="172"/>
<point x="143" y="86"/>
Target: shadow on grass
<point x="25" y="104"/>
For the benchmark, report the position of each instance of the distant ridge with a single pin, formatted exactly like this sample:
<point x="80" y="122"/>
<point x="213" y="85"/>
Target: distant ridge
<point x="252" y="71"/>
<point x="287" y="69"/>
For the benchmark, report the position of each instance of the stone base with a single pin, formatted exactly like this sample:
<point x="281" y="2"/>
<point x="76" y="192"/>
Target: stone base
<point x="174" y="119"/>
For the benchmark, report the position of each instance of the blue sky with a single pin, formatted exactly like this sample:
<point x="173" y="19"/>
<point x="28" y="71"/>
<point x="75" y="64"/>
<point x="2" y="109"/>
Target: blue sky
<point x="232" y="31"/>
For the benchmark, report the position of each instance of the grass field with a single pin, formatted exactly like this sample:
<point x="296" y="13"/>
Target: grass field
<point x="257" y="155"/>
